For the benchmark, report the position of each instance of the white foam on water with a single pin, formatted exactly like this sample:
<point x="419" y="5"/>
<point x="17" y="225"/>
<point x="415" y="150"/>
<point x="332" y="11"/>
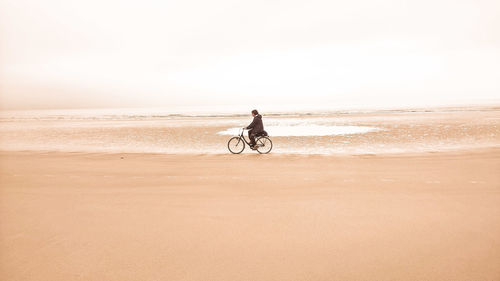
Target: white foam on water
<point x="309" y="130"/>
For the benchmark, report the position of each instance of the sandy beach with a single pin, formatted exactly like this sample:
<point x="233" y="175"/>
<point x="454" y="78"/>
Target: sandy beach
<point x="133" y="216"/>
<point x="121" y="156"/>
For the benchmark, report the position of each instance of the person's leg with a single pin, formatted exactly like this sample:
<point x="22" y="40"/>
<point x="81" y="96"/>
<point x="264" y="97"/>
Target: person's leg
<point x="251" y="136"/>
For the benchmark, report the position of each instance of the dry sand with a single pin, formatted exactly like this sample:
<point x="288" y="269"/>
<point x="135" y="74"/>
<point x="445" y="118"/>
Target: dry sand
<point x="81" y="216"/>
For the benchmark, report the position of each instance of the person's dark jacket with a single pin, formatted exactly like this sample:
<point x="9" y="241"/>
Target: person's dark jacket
<point x="256" y="126"/>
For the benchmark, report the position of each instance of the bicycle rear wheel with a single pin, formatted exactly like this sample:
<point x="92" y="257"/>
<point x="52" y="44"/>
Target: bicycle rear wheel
<point x="235" y="145"/>
<point x="264" y="145"/>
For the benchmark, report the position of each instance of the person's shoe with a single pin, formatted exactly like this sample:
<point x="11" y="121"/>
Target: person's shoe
<point x="253" y="147"/>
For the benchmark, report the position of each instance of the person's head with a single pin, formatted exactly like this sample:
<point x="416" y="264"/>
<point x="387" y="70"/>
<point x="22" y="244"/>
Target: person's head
<point x="255" y="112"/>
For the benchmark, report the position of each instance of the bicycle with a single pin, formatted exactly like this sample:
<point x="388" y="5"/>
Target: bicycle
<point x="263" y="143"/>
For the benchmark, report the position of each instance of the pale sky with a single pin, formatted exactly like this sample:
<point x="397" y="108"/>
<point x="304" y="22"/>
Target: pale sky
<point x="81" y="54"/>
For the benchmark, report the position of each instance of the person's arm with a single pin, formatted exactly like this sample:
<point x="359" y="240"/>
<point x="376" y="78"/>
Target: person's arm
<point x="252" y="124"/>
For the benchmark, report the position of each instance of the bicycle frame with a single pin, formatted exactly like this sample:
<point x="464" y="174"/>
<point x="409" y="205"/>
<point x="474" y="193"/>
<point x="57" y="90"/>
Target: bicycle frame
<point x="242" y="137"/>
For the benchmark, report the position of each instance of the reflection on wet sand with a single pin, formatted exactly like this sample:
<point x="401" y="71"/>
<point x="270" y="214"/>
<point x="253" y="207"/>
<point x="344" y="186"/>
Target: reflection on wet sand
<point x="340" y="133"/>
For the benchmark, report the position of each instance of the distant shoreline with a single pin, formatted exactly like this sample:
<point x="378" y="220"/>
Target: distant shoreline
<point x="156" y="113"/>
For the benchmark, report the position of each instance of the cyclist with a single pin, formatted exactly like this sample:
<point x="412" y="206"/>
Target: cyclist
<point x="255" y="128"/>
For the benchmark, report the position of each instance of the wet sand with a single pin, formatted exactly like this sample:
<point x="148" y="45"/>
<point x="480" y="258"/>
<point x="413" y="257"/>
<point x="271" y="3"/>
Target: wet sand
<point x="94" y="216"/>
<point x="409" y="131"/>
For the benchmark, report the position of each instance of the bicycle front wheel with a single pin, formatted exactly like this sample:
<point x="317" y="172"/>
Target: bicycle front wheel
<point x="264" y="145"/>
<point x="236" y="145"/>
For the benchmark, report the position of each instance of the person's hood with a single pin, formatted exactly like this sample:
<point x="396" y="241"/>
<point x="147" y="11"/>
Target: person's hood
<point x="258" y="116"/>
